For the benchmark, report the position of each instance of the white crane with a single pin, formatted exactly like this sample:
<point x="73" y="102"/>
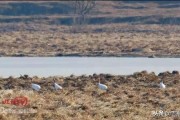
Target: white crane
<point x="56" y="86"/>
<point x="162" y="85"/>
<point x="102" y="86"/>
<point x="36" y="86"/>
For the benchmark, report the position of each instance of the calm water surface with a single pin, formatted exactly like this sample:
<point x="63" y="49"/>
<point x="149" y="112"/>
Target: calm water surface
<point x="65" y="66"/>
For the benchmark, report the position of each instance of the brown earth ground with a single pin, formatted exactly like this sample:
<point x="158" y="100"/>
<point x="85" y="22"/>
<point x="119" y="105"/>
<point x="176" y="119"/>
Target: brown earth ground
<point x="43" y="35"/>
<point x="131" y="97"/>
<point x="25" y="43"/>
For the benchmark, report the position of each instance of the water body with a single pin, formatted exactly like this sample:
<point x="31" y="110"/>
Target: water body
<point x="65" y="66"/>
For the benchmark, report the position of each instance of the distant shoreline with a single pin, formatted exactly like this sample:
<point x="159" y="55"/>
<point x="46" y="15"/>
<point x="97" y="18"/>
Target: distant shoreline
<point x="144" y="72"/>
<point x="89" y="55"/>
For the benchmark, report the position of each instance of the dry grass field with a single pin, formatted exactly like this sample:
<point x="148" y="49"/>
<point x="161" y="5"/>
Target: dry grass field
<point x="113" y="29"/>
<point x="131" y="97"/>
<point x="25" y="43"/>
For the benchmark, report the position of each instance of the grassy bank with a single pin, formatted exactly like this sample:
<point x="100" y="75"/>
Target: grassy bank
<point x="26" y="43"/>
<point x="112" y="28"/>
<point x="128" y="97"/>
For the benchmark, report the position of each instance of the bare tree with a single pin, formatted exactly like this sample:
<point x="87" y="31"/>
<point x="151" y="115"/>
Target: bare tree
<point x="81" y="10"/>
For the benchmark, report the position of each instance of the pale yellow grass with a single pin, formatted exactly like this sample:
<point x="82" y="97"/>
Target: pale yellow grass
<point x="129" y="97"/>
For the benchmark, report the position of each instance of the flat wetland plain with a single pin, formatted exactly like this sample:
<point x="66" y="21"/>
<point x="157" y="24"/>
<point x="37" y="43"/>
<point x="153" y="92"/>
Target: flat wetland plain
<point x="114" y="28"/>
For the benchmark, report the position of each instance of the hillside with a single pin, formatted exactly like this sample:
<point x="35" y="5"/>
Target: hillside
<point x="104" y="12"/>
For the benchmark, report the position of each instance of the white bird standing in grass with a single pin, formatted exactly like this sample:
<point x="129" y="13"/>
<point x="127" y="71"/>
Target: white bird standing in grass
<point x="162" y="85"/>
<point x="56" y="86"/>
<point x="102" y="86"/>
<point x="36" y="86"/>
